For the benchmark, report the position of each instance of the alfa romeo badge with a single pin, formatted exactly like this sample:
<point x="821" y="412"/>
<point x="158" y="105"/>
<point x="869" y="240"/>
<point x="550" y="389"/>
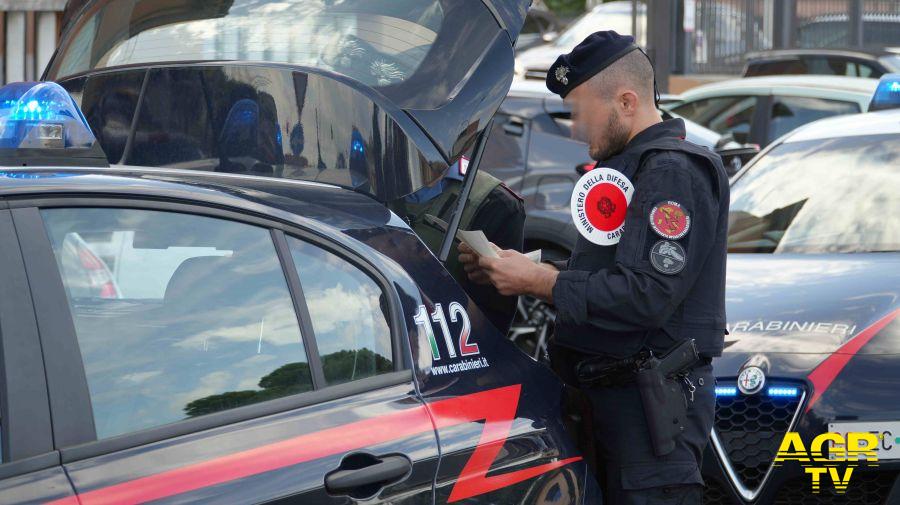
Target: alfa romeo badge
<point x="751" y="380"/>
<point x="599" y="203"/>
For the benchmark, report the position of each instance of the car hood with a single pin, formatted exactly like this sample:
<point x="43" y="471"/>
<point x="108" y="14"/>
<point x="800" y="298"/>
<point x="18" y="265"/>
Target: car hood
<point x="811" y="304"/>
<point x="450" y="61"/>
<point x="541" y="57"/>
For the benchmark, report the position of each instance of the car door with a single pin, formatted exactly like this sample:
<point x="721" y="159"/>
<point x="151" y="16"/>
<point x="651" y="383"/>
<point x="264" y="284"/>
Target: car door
<point x="215" y="358"/>
<point x="737" y="115"/>
<point x="30" y="469"/>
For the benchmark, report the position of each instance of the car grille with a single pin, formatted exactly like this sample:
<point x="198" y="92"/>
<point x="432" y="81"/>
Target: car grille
<point x="716" y="493"/>
<point x="870" y="488"/>
<point x="750" y="429"/>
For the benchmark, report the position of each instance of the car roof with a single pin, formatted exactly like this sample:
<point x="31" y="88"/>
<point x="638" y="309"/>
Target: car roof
<point x="853" y="125"/>
<point x="320" y="206"/>
<point x="865" y="53"/>
<point x="856" y="89"/>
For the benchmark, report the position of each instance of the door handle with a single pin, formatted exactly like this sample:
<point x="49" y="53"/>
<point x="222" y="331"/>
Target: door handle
<point x="363" y="475"/>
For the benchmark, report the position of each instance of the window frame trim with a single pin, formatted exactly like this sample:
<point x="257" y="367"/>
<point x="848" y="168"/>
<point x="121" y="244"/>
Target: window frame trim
<point x="20" y="359"/>
<point x="79" y="436"/>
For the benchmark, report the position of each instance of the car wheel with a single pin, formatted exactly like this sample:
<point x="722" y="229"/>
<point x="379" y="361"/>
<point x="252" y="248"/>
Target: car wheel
<point x="534" y="319"/>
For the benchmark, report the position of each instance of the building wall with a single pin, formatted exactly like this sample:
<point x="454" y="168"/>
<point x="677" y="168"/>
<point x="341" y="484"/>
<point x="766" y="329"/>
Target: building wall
<point x="28" y="37"/>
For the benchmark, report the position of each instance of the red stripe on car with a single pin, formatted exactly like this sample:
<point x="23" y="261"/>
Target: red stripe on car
<point x="828" y="370"/>
<point x="497" y="407"/>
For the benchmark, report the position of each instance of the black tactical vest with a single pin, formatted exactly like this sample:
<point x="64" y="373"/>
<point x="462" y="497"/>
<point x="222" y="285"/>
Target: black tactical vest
<point x="701" y="315"/>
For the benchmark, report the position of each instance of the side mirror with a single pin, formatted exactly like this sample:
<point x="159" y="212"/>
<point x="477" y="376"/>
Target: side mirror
<point x="584" y="168"/>
<point x="514" y="127"/>
<point x="549" y="36"/>
<point x="734" y="159"/>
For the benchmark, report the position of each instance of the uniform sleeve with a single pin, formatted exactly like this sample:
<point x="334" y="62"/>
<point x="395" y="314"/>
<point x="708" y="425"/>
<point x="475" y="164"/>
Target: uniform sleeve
<point x="634" y="294"/>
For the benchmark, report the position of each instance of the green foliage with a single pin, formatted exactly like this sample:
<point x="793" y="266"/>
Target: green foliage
<point x="294" y="378"/>
<point x="566" y="8"/>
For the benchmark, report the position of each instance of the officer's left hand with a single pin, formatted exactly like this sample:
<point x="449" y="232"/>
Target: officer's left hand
<point x="513" y="273"/>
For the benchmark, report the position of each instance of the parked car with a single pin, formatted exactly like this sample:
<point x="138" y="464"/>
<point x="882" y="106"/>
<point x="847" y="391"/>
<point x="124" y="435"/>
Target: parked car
<point x="277" y="333"/>
<point x="849" y="63"/>
<point x="533" y="63"/>
<point x="758" y="110"/>
<point x="812" y="304"/>
<point x="878" y="29"/>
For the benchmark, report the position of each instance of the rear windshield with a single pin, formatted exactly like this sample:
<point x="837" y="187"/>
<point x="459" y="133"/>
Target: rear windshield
<point x="380" y="43"/>
<point x="820" y="196"/>
<point x="249" y="119"/>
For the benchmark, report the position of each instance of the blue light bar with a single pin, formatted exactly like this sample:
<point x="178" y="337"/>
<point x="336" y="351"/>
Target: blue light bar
<point x="887" y="94"/>
<point x="41" y="115"/>
<point x="784" y="392"/>
<point x="726" y="391"/>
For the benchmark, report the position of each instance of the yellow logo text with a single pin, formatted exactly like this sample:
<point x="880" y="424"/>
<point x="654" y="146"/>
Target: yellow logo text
<point x="827" y="453"/>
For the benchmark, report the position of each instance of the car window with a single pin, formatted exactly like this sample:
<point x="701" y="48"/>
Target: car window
<point x="176" y="315"/>
<point x="858" y="69"/>
<point x="727" y="114"/>
<point x="505" y="147"/>
<point x="789" y="112"/>
<point x="775" y="67"/>
<point x="820" y="65"/>
<point x="349" y="313"/>
<point x="819" y="196"/>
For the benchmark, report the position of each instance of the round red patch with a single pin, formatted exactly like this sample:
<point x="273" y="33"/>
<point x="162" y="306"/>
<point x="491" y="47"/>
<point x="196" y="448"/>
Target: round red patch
<point x="599" y="204"/>
<point x="605" y="206"/>
<point x="670" y="220"/>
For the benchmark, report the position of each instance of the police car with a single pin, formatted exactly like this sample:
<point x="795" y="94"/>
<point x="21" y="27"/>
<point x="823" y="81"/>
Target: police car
<point x="814" y="318"/>
<point x="249" y="321"/>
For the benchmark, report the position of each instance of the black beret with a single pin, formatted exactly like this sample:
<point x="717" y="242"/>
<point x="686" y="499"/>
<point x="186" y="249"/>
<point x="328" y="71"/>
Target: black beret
<point x="598" y="51"/>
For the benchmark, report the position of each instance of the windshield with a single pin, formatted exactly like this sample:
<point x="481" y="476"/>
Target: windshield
<point x="820" y="196"/>
<point x="608" y="17"/>
<point x="249" y="119"/>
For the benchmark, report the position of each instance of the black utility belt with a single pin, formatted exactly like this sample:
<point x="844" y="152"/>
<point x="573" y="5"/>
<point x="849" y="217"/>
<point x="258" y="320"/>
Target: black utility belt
<point x="603" y="372"/>
<point x="658" y="380"/>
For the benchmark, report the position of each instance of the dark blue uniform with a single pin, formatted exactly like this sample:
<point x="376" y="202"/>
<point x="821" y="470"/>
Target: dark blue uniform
<point x="661" y="284"/>
<point x="621" y="299"/>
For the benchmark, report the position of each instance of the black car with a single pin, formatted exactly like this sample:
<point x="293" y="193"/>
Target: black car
<point x="849" y="63"/>
<point x="250" y="321"/>
<point x="812" y="296"/>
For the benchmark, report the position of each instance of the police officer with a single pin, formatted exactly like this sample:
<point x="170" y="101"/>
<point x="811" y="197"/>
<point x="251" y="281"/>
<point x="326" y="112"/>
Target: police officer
<point x="646" y="276"/>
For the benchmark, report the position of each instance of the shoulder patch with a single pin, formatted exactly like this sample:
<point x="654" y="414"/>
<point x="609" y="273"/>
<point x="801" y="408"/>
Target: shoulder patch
<point x="670" y="220"/>
<point x="667" y="257"/>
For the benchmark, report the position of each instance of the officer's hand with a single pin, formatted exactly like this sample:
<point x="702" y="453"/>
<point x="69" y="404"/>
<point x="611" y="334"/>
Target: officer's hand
<point x="513" y="273"/>
<point x="469" y="260"/>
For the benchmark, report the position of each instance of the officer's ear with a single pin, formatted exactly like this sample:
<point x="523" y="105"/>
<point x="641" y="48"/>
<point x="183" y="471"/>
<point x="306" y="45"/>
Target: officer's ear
<point x="628" y="102"/>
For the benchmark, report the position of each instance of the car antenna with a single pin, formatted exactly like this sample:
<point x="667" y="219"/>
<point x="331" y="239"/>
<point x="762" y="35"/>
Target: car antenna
<point x="464" y="194"/>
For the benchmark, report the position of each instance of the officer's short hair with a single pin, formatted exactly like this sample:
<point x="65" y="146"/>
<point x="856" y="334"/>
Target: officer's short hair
<point x="632" y="71"/>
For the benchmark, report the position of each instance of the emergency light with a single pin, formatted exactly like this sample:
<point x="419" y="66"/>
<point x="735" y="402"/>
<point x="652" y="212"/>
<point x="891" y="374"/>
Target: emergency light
<point x="887" y="94"/>
<point x="726" y="391"/>
<point x="40" y="124"/>
<point x="784" y="392"/>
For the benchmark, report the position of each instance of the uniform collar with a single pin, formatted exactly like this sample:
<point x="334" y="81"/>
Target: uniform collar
<point x="666" y="129"/>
